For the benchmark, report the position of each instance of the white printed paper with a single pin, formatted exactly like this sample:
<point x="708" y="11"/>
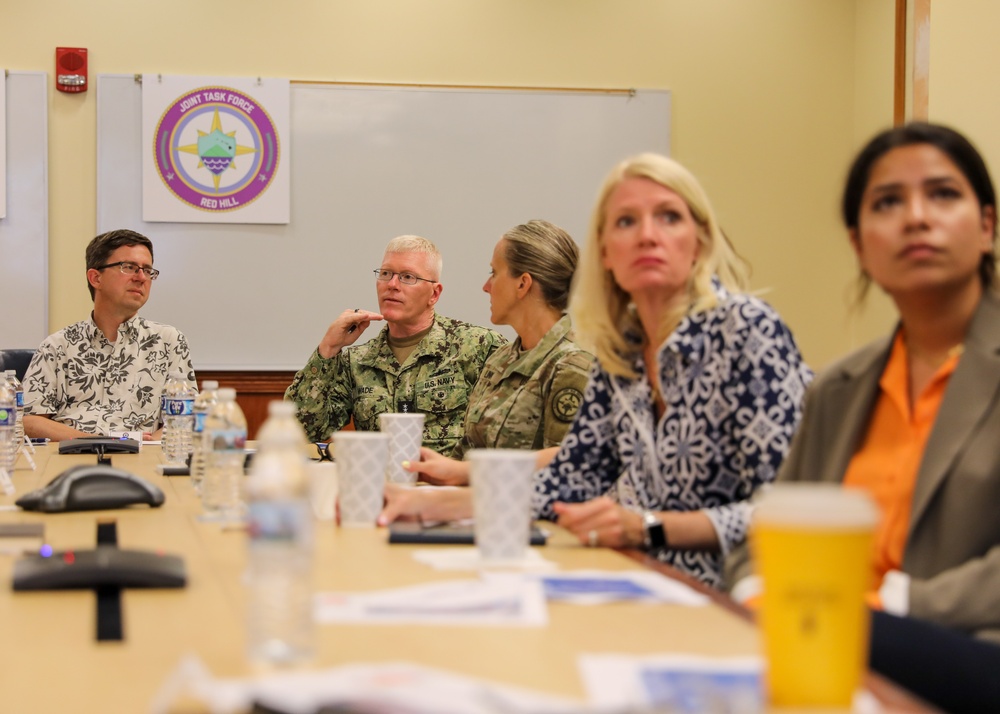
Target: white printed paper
<point x="497" y="602"/>
<point x="680" y="684"/>
<point x="467" y="558"/>
<point x="399" y="687"/>
<point x="596" y="587"/>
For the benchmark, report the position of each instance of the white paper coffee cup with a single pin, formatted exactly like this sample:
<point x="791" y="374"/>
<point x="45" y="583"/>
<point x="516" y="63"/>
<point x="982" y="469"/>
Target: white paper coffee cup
<point x="361" y="457"/>
<point x="502" y="485"/>
<point x="406" y="434"/>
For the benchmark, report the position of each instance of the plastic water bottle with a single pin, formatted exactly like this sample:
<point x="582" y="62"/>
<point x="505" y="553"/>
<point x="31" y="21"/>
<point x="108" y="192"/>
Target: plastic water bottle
<point x="19" y="402"/>
<point x="226" y="430"/>
<point x="8" y="426"/>
<point x="280" y="627"/>
<point x="203" y="403"/>
<point x="178" y="419"/>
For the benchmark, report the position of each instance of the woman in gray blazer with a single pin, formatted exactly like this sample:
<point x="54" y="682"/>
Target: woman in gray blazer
<point x="915" y="417"/>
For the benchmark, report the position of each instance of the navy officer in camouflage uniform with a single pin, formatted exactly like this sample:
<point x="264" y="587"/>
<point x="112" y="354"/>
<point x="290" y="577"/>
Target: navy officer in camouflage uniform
<point x="420" y="362"/>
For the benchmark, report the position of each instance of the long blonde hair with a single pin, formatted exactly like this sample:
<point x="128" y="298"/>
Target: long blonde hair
<point x="600" y="309"/>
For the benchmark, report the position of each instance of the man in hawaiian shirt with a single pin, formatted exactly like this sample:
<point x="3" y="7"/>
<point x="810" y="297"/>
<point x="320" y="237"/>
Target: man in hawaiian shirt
<point x="107" y="373"/>
<point x="419" y="362"/>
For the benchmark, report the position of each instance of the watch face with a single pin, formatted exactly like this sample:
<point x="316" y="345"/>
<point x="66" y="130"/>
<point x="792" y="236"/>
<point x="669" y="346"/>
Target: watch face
<point x="656" y="535"/>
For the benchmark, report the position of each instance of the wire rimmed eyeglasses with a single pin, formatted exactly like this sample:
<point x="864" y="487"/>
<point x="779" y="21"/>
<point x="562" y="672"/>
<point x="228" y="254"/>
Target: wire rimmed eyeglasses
<point x="405" y="277"/>
<point x="130" y="268"/>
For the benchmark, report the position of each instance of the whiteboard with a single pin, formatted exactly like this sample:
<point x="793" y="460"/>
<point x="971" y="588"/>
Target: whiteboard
<point x="457" y="166"/>
<point x="24" y="232"/>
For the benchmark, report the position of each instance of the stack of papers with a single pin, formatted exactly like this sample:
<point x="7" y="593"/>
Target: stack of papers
<point x="679" y="684"/>
<point x="397" y="687"/>
<point x="596" y="587"/>
<point x="467" y="558"/>
<point x="506" y="601"/>
<point x="509" y="599"/>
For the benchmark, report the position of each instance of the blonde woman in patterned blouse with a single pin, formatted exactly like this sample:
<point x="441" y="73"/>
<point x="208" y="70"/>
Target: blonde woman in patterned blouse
<point x="697" y="389"/>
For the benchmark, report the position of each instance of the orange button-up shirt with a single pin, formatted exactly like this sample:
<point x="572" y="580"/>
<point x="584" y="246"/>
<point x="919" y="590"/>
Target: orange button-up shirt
<point x="889" y="458"/>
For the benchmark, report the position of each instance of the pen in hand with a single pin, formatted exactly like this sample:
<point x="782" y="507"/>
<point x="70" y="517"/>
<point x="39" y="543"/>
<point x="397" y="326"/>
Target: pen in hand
<point x="352" y="328"/>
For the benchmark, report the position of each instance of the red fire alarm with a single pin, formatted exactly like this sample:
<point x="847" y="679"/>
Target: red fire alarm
<point x="71" y="69"/>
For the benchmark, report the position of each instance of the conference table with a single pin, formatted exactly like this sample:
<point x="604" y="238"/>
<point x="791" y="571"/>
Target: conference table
<point x="51" y="661"/>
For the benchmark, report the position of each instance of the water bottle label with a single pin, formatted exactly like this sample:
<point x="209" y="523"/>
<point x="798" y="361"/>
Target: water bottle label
<point x="199" y="422"/>
<point x="228" y="440"/>
<point x="19" y="396"/>
<point x="178" y="407"/>
<point x="286" y="520"/>
<point x="8" y="417"/>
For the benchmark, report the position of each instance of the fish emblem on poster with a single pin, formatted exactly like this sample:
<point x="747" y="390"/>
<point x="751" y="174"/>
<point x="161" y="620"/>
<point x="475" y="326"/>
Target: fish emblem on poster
<point x="215" y="149"/>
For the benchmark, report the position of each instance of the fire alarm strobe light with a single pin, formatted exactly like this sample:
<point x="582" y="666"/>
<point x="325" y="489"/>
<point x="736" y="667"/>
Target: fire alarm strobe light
<point x="71" y="69"/>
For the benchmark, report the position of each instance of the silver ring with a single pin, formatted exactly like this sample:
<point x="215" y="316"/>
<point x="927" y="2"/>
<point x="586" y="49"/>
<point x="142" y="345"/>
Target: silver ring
<point x="592" y="538"/>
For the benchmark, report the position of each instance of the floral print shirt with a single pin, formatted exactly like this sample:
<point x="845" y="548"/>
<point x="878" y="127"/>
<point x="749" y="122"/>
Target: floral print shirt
<point x="79" y="378"/>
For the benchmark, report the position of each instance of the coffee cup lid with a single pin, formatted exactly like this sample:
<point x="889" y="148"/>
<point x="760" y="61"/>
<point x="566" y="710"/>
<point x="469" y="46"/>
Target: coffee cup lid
<point x="815" y="505"/>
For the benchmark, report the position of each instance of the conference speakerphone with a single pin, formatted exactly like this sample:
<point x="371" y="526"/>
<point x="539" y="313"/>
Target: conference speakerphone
<point x="98" y="445"/>
<point x="104" y="565"/>
<point x="106" y="569"/>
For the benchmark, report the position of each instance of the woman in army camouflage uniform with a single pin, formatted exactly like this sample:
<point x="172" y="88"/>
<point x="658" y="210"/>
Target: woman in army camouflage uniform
<point x="529" y="390"/>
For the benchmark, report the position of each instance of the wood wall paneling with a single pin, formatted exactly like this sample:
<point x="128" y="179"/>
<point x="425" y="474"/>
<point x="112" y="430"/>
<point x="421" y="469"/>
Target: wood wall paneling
<point x="254" y="390"/>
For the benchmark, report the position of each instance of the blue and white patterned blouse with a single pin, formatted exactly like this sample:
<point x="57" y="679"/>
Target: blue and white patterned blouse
<point x="733" y="381"/>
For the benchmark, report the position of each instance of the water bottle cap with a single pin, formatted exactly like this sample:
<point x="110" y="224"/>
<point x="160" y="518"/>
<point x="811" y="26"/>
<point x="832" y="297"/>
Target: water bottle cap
<point x="281" y="408"/>
<point x="209" y="384"/>
<point x="227" y="394"/>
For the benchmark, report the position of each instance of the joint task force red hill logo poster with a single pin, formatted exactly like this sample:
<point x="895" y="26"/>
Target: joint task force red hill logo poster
<point x="216" y="150"/>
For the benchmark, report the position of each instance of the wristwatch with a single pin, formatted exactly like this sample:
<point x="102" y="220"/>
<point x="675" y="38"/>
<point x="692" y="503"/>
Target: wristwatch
<point x="656" y="534"/>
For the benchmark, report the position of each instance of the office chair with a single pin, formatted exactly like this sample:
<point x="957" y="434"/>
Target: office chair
<point x="17" y="360"/>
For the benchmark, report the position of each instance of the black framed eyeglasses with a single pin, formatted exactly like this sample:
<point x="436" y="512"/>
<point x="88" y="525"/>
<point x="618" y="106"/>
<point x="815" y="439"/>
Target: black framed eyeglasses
<point x="406" y="277"/>
<point x="129" y="268"/>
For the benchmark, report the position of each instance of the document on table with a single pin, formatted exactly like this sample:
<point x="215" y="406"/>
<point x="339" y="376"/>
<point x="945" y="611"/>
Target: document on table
<point x="399" y="687"/>
<point x="680" y="684"/>
<point x="595" y="587"/>
<point x="504" y="601"/>
<point x="467" y="558"/>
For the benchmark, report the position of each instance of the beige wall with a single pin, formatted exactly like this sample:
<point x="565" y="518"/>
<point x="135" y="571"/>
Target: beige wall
<point x="770" y="99"/>
<point x="873" y="105"/>
<point x="964" y="86"/>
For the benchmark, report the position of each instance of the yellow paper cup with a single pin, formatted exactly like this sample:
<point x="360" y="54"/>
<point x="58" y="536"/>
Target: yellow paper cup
<point x="812" y="545"/>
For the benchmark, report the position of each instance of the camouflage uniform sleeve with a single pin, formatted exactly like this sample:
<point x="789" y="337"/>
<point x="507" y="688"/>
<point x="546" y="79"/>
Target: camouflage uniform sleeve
<point x="322" y="392"/>
<point x="476" y="347"/>
<point x="563" y="396"/>
<point x="489" y="343"/>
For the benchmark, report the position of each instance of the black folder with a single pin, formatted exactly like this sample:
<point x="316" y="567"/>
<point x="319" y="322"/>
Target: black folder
<point x="445" y="533"/>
